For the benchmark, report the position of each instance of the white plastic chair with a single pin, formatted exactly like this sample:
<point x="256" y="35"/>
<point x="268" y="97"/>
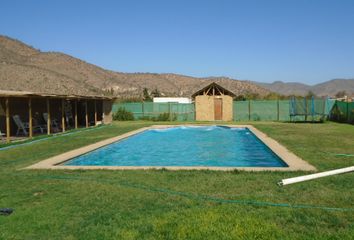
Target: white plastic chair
<point x="2" y="135"/>
<point x="23" y="127"/>
<point x="53" y="123"/>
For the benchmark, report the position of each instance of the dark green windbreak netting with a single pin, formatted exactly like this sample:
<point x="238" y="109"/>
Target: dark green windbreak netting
<point x="343" y="112"/>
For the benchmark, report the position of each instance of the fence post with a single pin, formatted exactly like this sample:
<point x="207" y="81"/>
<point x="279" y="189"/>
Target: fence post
<point x="348" y="115"/>
<point x="7" y="113"/>
<point x="305" y="103"/>
<point x="249" y="110"/>
<point x="324" y="108"/>
<point x="169" y="111"/>
<point x="278" y="111"/>
<point x="313" y="108"/>
<point x="143" y="109"/>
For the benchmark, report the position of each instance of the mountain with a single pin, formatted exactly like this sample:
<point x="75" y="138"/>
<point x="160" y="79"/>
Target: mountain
<point x="329" y="88"/>
<point x="25" y="68"/>
<point x="291" y="88"/>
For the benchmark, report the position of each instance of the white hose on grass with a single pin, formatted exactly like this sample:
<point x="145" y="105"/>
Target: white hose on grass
<point x="314" y="176"/>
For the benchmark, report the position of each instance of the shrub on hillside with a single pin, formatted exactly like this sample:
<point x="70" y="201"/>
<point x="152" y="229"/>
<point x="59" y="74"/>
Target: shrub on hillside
<point x="123" y="115"/>
<point x="166" y="117"/>
<point x="161" y="117"/>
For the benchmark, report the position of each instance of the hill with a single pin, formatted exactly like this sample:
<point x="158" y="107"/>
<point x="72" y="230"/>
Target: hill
<point x="329" y="88"/>
<point x="25" y="68"/>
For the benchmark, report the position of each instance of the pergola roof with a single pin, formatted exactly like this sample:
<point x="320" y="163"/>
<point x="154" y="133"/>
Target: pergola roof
<point x="10" y="93"/>
<point x="213" y="88"/>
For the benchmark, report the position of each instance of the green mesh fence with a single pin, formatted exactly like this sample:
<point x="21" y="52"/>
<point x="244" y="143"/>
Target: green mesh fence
<point x="342" y="112"/>
<point x="261" y="110"/>
<point x="150" y="110"/>
<point x="284" y="106"/>
<point x="254" y="110"/>
<point x="264" y="110"/>
<point x="240" y="111"/>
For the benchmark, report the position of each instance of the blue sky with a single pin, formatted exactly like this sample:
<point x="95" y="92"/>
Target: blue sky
<point x="290" y="40"/>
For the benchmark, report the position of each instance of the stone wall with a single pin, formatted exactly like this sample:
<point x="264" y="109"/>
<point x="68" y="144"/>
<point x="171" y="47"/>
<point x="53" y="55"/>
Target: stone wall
<point x="107" y="111"/>
<point x="227" y="108"/>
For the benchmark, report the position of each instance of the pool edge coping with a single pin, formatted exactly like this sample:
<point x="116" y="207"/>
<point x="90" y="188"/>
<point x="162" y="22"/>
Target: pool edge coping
<point x="294" y="162"/>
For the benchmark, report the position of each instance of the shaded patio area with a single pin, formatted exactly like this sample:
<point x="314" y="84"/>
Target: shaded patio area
<point x="25" y="114"/>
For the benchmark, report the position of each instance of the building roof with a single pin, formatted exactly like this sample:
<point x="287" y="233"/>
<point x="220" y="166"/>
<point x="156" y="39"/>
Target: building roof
<point x="172" y="100"/>
<point x="10" y="93"/>
<point x="212" y="89"/>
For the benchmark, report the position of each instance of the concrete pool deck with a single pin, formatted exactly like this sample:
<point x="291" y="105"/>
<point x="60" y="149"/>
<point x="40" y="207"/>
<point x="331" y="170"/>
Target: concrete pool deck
<point x="294" y="162"/>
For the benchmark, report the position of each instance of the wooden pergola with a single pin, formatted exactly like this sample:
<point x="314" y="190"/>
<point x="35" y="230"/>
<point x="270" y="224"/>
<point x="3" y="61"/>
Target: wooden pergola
<point x="213" y="103"/>
<point x="48" y="98"/>
<point x="213" y="89"/>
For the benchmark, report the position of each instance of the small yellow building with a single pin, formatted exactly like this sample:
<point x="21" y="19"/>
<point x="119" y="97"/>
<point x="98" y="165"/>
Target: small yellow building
<point x="213" y="103"/>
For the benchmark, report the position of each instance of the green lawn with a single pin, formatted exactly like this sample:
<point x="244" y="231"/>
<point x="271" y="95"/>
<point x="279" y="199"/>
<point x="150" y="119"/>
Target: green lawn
<point x="179" y="204"/>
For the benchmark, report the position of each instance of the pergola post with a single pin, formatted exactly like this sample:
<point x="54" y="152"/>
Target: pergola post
<point x="86" y="114"/>
<point x="95" y="112"/>
<point x="76" y="114"/>
<point x="48" y="119"/>
<point x="62" y="115"/>
<point x="7" y="120"/>
<point x="30" y="122"/>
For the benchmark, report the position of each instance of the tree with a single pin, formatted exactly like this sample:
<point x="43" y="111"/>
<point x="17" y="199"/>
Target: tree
<point x="146" y="95"/>
<point x="155" y="93"/>
<point x="252" y="96"/>
<point x="274" y="96"/>
<point x="240" y="98"/>
<point x="341" y="94"/>
<point x="310" y="94"/>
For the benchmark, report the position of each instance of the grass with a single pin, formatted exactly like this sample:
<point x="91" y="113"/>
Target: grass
<point x="160" y="204"/>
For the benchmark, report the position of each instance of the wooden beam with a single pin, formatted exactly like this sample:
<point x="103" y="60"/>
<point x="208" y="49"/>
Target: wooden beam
<point x="48" y="120"/>
<point x="86" y="114"/>
<point x="30" y="122"/>
<point x="7" y="106"/>
<point x="62" y="115"/>
<point x="218" y="90"/>
<point x="76" y="125"/>
<point x="207" y="92"/>
<point x="95" y="113"/>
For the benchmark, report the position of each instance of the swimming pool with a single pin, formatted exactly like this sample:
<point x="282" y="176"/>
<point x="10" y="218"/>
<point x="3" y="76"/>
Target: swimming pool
<point x="186" y="146"/>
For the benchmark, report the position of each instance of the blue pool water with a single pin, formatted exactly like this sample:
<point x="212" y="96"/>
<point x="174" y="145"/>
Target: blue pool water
<point x="212" y="146"/>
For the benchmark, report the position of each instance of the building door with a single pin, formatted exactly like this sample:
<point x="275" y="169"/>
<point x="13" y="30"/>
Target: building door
<point x="217" y="108"/>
